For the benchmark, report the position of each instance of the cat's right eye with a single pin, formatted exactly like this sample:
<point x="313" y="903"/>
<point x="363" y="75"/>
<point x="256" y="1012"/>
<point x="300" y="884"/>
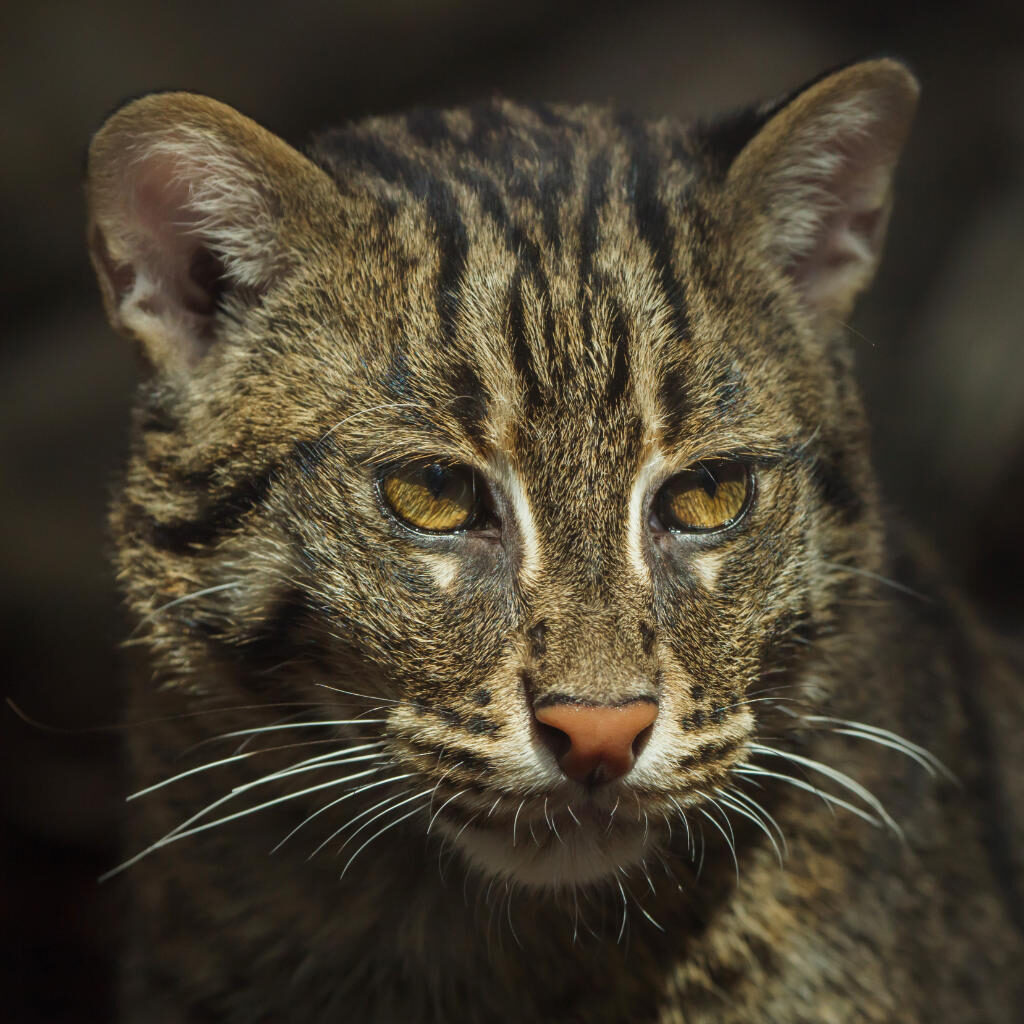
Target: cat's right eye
<point x="433" y="496"/>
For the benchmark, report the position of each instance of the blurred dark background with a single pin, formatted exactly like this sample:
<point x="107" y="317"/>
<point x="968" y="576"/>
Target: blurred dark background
<point x="939" y="338"/>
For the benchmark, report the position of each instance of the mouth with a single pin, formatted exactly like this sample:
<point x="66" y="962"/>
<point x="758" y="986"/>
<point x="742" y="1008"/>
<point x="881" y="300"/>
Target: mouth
<point x="547" y="844"/>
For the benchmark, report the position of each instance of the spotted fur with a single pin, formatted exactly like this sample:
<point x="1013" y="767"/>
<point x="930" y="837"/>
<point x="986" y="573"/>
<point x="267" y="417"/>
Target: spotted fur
<point x="577" y="304"/>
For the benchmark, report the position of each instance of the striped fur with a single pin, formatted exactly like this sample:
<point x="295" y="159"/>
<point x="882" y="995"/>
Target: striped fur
<point x="578" y="305"/>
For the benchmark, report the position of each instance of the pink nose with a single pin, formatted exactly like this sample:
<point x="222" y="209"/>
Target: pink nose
<point x="596" y="744"/>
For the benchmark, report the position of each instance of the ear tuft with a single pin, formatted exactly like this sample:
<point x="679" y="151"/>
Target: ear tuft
<point x="814" y="184"/>
<point x="190" y="205"/>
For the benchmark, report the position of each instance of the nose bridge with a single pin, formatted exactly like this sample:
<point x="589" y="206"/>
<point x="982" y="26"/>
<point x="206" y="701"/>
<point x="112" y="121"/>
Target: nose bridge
<point x="592" y="655"/>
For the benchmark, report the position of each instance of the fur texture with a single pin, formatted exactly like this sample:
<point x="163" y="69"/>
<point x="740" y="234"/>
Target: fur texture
<point x="578" y="306"/>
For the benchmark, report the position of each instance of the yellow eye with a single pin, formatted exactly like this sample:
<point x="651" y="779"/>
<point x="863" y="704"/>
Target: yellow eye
<point x="707" y="496"/>
<point x="433" y="497"/>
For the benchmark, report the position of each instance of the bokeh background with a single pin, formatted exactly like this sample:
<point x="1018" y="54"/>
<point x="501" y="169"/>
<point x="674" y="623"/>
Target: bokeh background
<point x="940" y="339"/>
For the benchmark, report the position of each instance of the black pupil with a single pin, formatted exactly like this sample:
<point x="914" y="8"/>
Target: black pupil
<point x="708" y="482"/>
<point x="436" y="478"/>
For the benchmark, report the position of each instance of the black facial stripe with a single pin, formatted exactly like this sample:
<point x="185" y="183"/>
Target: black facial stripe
<point x="275" y="640"/>
<point x="833" y="485"/>
<point x="653" y="222"/>
<point x="196" y="536"/>
<point x="441" y="206"/>
<point x="673" y="397"/>
<point x="522" y="357"/>
<point x="528" y="255"/>
<point x="618" y="382"/>
<point x="308" y="455"/>
<point x="597" y="189"/>
<point x="453" y="757"/>
<point x="453" y="245"/>
<point x="469" y="406"/>
<point x="713" y="750"/>
<point x="489" y="124"/>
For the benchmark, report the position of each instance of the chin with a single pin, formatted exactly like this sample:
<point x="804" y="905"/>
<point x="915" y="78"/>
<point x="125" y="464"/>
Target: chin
<point x="582" y="855"/>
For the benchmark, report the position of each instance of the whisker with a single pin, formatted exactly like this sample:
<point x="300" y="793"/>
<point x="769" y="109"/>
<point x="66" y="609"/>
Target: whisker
<point x="298" y="725"/>
<point x="380" y="832"/>
<point x="515" y="821"/>
<point x="625" y="911"/>
<point x="181" y="831"/>
<point x="725" y="836"/>
<point x="387" y="810"/>
<point x="885" y="581"/>
<point x="828" y="798"/>
<point x="195" y="595"/>
<point x="454" y="796"/>
<point x="759" y="810"/>
<point x="750" y="816"/>
<point x="841" y="778"/>
<point x="328" y="806"/>
<point x="242" y="757"/>
<point x="884" y="737"/>
<point x="390" y="798"/>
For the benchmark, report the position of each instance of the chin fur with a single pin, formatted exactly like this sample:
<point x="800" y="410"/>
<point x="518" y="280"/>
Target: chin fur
<point x="582" y="855"/>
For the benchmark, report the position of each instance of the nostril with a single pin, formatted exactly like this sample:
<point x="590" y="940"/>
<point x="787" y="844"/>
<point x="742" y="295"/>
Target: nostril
<point x="557" y="741"/>
<point x="641" y="740"/>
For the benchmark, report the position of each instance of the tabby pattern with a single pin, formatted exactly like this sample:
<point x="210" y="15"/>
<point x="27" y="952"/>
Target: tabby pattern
<point x="571" y="308"/>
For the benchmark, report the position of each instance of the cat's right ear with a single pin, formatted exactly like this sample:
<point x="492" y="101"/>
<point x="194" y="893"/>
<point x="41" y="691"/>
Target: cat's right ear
<point x="194" y="212"/>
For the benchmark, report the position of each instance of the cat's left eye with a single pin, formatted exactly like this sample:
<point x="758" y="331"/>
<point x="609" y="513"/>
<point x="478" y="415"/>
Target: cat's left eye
<point x="708" y="496"/>
<point x="434" y="497"/>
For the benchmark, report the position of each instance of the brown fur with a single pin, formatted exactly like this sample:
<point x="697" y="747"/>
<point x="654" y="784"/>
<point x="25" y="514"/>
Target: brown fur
<point x="568" y="301"/>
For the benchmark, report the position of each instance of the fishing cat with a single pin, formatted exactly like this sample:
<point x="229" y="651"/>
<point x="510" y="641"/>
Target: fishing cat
<point x="522" y="638"/>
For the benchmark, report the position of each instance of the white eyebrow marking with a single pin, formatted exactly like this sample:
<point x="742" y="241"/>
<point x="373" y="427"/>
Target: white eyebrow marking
<point x="528" y="537"/>
<point x="652" y="468"/>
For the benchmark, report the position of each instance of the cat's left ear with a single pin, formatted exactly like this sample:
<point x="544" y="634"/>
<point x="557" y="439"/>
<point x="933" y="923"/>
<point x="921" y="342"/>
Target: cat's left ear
<point x="812" y="189"/>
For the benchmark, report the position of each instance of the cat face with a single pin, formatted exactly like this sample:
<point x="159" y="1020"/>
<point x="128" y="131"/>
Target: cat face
<point x="527" y="427"/>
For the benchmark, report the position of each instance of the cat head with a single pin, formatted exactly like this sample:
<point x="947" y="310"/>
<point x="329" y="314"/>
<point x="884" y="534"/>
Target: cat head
<point x="534" y="426"/>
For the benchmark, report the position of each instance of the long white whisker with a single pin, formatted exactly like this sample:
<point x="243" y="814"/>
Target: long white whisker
<point x="750" y="816"/>
<point x="181" y="600"/>
<point x="390" y="798"/>
<point x="625" y="910"/>
<point x="760" y="811"/>
<point x="334" y="803"/>
<point x="300" y="725"/>
<point x="841" y="778"/>
<point x="380" y="832"/>
<point x="181" y="831"/>
<point x="454" y="796"/>
<point x="237" y="757"/>
<point x="884" y="580"/>
<point x="828" y="798"/>
<point x="387" y="810"/>
<point x="312" y="765"/>
<point x="725" y="836"/>
<point x="862" y="730"/>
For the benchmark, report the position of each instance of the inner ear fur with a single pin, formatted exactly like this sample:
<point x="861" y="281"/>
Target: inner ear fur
<point x="812" y="190"/>
<point x="193" y="207"/>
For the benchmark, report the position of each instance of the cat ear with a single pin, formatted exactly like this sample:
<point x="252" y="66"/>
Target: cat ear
<point x="194" y="212"/>
<point x="813" y="186"/>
